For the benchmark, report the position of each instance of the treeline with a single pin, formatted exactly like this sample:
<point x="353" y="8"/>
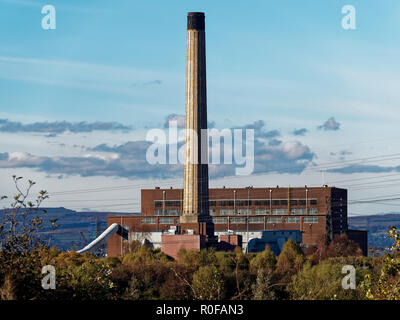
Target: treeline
<point x="146" y="273"/>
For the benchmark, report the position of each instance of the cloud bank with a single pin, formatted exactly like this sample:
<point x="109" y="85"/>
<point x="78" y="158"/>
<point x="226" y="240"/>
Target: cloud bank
<point x="58" y="127"/>
<point x="128" y="159"/>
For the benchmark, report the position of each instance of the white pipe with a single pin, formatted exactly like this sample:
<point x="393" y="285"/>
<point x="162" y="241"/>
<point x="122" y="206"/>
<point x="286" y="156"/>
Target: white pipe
<point x="96" y="243"/>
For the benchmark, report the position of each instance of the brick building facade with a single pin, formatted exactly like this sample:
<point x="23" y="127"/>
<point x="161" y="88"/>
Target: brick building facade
<point x="318" y="212"/>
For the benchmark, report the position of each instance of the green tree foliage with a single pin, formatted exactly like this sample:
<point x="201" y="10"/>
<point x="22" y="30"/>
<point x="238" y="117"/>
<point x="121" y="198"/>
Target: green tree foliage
<point x="197" y="259"/>
<point x="324" y="281"/>
<point x="290" y="260"/>
<point x="386" y="284"/>
<point x="208" y="283"/>
<point x="22" y="251"/>
<point x="80" y="277"/>
<point x="263" y="288"/>
<point x="265" y="260"/>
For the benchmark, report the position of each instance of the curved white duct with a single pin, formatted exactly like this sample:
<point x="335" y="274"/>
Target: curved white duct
<point x="96" y="243"/>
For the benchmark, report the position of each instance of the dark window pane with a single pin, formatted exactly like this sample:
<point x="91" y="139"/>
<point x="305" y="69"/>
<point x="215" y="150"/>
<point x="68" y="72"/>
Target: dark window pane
<point x="158" y="204"/>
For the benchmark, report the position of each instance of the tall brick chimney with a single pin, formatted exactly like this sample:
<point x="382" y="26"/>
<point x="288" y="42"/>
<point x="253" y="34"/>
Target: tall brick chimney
<point x="196" y="213"/>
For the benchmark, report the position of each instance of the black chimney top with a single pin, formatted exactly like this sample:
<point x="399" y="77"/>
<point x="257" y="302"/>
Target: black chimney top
<point x="195" y="21"/>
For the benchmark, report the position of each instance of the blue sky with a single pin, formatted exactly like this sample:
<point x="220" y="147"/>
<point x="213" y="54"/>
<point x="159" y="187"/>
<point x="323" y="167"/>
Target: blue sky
<point x="121" y="64"/>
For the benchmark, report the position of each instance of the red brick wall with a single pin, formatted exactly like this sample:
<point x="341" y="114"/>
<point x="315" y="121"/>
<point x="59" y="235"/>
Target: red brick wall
<point x="327" y="202"/>
<point x="172" y="243"/>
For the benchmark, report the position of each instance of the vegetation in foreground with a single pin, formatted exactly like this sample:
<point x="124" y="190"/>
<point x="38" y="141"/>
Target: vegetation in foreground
<point x="145" y="273"/>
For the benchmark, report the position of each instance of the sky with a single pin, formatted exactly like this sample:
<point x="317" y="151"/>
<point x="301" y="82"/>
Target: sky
<point x="77" y="102"/>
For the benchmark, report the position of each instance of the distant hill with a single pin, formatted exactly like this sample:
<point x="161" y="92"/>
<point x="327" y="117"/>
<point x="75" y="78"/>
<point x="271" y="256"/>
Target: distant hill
<point x="71" y="223"/>
<point x="377" y="226"/>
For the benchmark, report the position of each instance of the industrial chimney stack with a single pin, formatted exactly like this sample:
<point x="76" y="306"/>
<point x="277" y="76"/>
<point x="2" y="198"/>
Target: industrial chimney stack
<point x="196" y="213"/>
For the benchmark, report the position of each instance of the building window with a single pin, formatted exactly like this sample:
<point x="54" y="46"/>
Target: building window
<point x="302" y="202"/>
<point x="225" y="203"/>
<point x="158" y="212"/>
<point x="313" y="202"/>
<point x="172" y="212"/>
<point x="219" y="220"/>
<point x="261" y="202"/>
<point x="213" y="203"/>
<point x="275" y="202"/>
<point x="256" y="220"/>
<point x="173" y="203"/>
<point x="225" y="212"/>
<point x="243" y="203"/>
<point x="158" y="203"/>
<point x="261" y="211"/>
<point x="283" y="202"/>
<point x="274" y="220"/>
<point x="292" y="219"/>
<point x="293" y="202"/>
<point x="243" y="211"/>
<point x="313" y="211"/>
<point x="298" y="211"/>
<point x="238" y="220"/>
<point x="310" y="219"/>
<point x="279" y="211"/>
<point x="166" y="221"/>
<point x="212" y="212"/>
<point x="149" y="220"/>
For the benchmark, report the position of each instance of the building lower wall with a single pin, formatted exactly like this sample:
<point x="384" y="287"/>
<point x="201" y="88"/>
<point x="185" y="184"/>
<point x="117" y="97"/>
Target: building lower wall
<point x="361" y="238"/>
<point x="171" y="244"/>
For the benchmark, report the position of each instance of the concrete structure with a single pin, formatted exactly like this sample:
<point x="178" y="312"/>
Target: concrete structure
<point x="195" y="215"/>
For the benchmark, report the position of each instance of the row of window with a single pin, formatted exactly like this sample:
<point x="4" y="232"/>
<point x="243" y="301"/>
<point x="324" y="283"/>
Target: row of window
<point x="161" y="220"/>
<point x="275" y="202"/>
<point x="238" y="220"/>
<point x="241" y="203"/>
<point x="244" y="212"/>
<point x="229" y="212"/>
<point x="168" y="212"/>
<point x="253" y="220"/>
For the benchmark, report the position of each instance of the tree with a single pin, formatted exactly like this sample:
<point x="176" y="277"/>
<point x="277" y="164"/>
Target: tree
<point x="324" y="281"/>
<point x="263" y="289"/>
<point x="341" y="246"/>
<point x="208" y="283"/>
<point x="265" y="260"/>
<point x="22" y="250"/>
<point x="386" y="286"/>
<point x="289" y="261"/>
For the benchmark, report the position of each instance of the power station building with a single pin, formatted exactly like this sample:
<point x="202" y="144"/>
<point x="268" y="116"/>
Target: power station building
<point x="196" y="217"/>
<point x="317" y="213"/>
